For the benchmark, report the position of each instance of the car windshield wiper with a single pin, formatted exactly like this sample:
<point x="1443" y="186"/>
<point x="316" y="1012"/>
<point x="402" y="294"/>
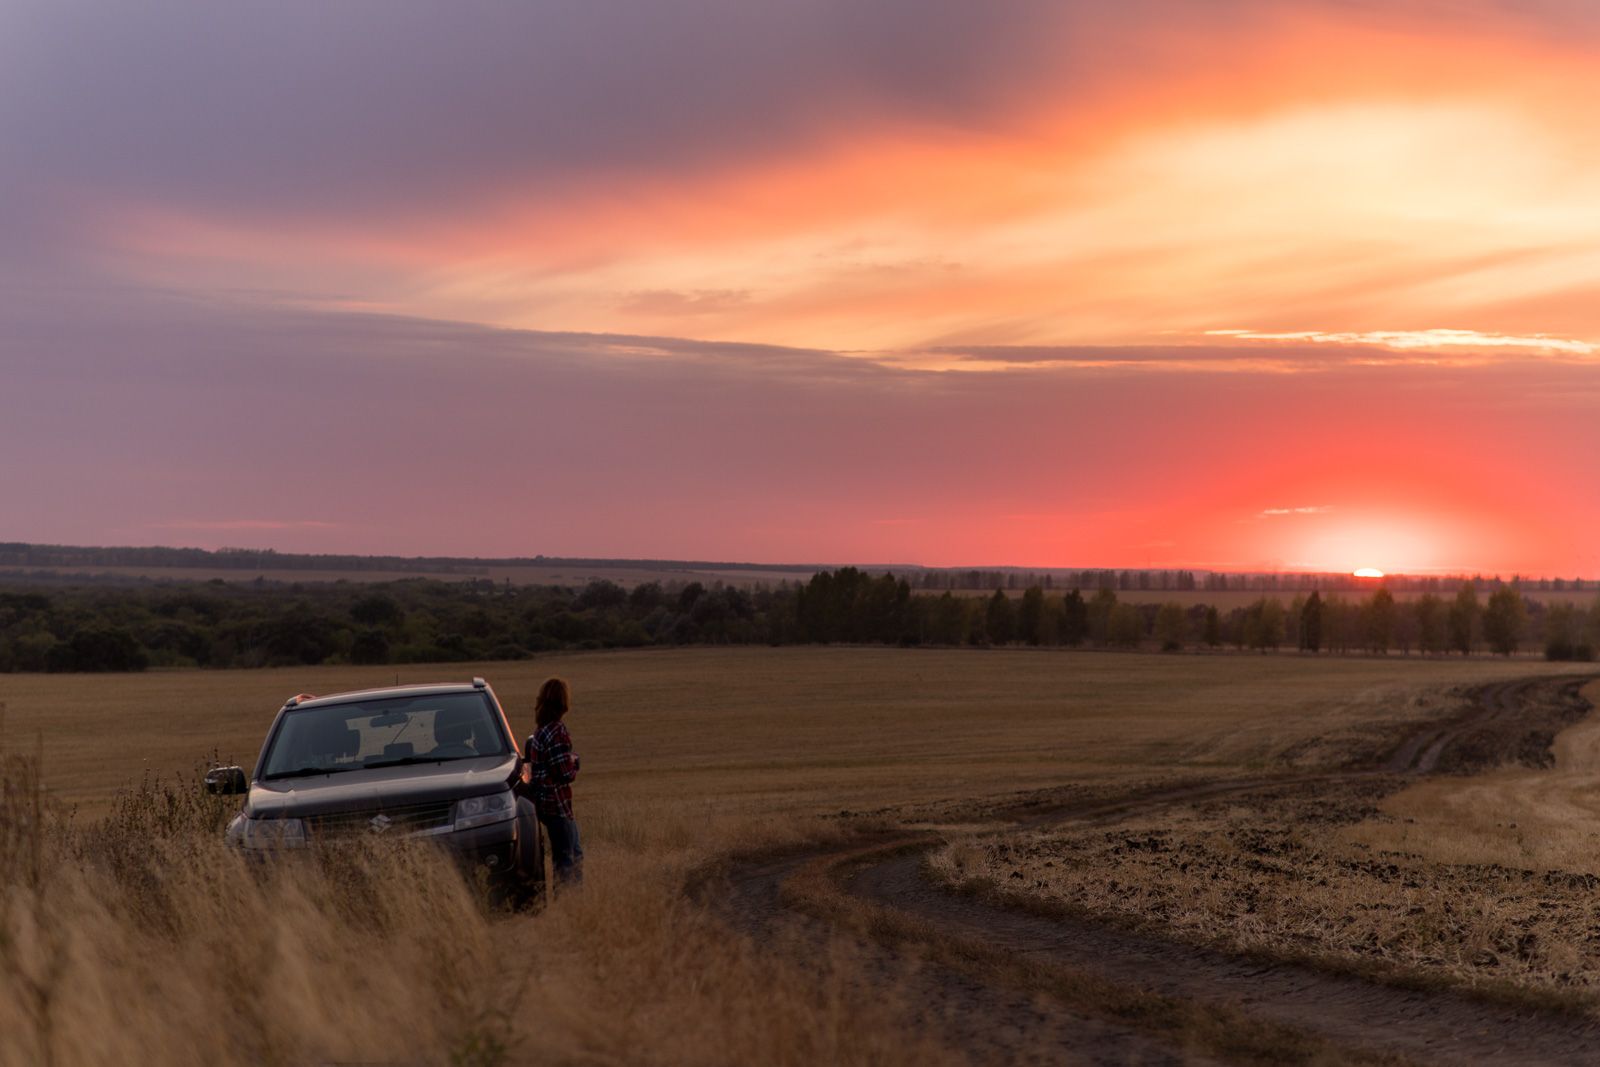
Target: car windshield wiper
<point x="405" y="761"/>
<point x="307" y="772"/>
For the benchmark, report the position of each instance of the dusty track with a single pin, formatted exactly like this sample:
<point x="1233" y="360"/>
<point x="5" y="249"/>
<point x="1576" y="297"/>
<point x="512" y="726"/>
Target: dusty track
<point x="1499" y="712"/>
<point x="1008" y="1020"/>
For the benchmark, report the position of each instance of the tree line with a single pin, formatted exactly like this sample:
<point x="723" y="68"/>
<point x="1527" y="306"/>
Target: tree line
<point x="215" y="624"/>
<point x="39" y="559"/>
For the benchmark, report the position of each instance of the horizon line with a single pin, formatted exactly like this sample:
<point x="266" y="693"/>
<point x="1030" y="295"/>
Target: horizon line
<point x="708" y="564"/>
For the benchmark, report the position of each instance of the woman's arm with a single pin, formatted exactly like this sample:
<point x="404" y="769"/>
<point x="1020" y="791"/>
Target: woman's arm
<point x="560" y="762"/>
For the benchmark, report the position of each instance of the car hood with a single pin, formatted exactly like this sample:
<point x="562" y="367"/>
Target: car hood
<point x="380" y="787"/>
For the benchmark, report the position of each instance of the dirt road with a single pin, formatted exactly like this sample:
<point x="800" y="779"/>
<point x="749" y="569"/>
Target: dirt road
<point x="1008" y="986"/>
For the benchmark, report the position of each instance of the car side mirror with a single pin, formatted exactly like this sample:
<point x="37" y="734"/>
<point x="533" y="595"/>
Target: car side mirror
<point x="226" y="781"/>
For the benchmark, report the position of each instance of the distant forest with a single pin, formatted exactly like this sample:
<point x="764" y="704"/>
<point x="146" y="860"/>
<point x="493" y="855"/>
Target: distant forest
<point x="37" y="557"/>
<point x="24" y="554"/>
<point x="129" y="627"/>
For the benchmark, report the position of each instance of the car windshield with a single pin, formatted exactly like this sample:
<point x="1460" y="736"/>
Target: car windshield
<point x="386" y="731"/>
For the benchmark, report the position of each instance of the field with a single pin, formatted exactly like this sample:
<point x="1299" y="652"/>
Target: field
<point x="1488" y="886"/>
<point x="692" y="760"/>
<point x="796" y="731"/>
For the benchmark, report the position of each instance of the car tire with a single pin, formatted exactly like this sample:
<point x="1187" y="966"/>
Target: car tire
<point x="529" y="893"/>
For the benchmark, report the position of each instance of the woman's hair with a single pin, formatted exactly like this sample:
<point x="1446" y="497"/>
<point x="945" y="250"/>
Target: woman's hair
<point x="551" y="703"/>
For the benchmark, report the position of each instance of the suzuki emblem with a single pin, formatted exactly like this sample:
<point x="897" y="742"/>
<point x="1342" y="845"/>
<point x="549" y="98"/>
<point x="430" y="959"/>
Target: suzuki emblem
<point x="380" y="823"/>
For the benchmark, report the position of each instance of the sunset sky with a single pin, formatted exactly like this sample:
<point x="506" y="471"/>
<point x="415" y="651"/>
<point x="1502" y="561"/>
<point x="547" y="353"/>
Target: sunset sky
<point x="1240" y="284"/>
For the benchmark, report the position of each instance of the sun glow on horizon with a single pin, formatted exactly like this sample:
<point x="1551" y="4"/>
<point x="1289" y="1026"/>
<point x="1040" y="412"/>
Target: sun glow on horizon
<point x="1379" y="539"/>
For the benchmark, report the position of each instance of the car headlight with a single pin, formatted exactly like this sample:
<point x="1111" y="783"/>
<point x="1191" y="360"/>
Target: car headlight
<point x="267" y="833"/>
<point x="481" y="811"/>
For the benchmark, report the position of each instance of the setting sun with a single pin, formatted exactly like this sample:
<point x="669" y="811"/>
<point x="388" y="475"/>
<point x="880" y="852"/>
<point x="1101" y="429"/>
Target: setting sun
<point x="1368" y="572"/>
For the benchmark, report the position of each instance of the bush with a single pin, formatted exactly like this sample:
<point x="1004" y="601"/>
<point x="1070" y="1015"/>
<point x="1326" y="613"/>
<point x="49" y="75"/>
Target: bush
<point x="103" y="649"/>
<point x="1561" y="649"/>
<point x="370" y="646"/>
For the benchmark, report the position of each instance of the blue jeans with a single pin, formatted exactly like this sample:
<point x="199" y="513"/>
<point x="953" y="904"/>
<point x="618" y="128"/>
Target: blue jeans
<point x="566" y="854"/>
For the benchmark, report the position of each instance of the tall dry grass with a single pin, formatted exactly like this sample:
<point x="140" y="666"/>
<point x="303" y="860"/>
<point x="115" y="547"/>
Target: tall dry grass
<point x="140" y="938"/>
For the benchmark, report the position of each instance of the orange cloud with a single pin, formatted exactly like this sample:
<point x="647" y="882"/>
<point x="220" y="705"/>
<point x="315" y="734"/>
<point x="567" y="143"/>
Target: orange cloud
<point x="1300" y="174"/>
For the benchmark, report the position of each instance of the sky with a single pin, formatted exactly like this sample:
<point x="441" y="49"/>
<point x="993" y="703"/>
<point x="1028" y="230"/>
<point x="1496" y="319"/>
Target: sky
<point x="1299" y="284"/>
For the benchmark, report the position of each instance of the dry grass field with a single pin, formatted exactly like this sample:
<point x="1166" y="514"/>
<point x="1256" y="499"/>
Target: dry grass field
<point x="788" y="731"/>
<point x="131" y="910"/>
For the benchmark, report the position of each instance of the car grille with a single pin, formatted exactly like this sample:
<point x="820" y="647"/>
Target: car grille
<point x="398" y="820"/>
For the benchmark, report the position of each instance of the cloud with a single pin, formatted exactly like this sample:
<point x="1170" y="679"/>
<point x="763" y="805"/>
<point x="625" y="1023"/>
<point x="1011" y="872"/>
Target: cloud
<point x="671" y="302"/>
<point x="1320" y="509"/>
<point x="1192" y="356"/>
<point x="1103" y="173"/>
<point x="379" y="105"/>
<point x="1437" y="340"/>
<point x="371" y="105"/>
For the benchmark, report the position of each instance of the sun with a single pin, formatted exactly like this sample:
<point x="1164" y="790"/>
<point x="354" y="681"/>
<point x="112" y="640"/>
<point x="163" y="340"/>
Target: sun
<point x="1370" y="544"/>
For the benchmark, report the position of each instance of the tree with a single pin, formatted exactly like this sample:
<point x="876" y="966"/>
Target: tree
<point x="1075" y="618"/>
<point x="694" y="591"/>
<point x="1504" y="619"/>
<point x="949" y="621"/>
<point x="1405" y="627"/>
<point x="28" y="650"/>
<point x="1211" y="629"/>
<point x="376" y="609"/>
<point x="1561" y="632"/>
<point x="1171" y="624"/>
<point x="1272" y="622"/>
<point x="1126" y="626"/>
<point x="1263" y="624"/>
<point x="1339" y="619"/>
<point x="99" y="648"/>
<point x="646" y="597"/>
<point x="1311" y="623"/>
<point x="370" y="646"/>
<point x="1591" y="631"/>
<point x="1100" y="608"/>
<point x="1050" y="620"/>
<point x="999" y="619"/>
<point x="299" y="635"/>
<point x="1430" y="615"/>
<point x="1030" y="617"/>
<point x="1379" y="612"/>
<point x="602" y="594"/>
<point x="1464" y="620"/>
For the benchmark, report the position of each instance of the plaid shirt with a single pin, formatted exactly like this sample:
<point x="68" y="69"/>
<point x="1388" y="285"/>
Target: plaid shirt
<point x="555" y="765"/>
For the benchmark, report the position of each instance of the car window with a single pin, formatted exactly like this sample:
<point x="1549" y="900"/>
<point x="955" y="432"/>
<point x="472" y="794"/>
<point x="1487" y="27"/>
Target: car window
<point x="362" y="734"/>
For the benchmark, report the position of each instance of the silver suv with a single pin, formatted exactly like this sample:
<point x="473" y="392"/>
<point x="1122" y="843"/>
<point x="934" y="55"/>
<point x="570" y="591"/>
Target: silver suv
<point x="434" y="761"/>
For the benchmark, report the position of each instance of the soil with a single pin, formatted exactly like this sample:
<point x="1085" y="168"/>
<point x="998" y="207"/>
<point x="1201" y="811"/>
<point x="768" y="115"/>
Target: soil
<point x="1017" y="1020"/>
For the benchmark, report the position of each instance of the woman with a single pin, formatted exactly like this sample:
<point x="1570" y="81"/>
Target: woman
<point x="554" y="766"/>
